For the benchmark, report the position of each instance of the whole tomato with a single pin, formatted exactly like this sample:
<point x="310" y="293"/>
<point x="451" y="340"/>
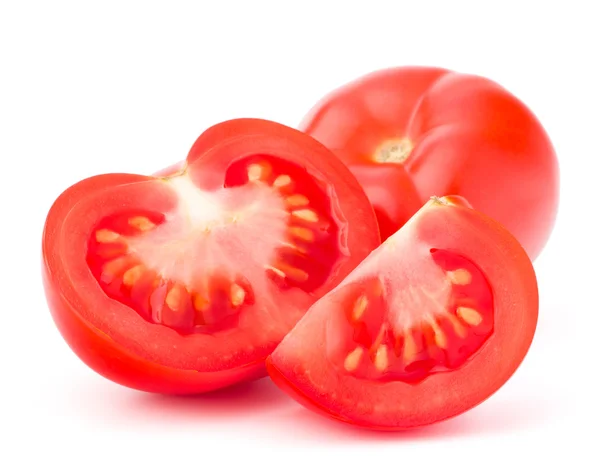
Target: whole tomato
<point x="410" y="133"/>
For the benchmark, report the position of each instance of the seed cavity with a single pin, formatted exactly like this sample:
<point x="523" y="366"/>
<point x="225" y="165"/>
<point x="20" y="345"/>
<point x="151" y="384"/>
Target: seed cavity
<point x="353" y="359"/>
<point x="469" y="315"/>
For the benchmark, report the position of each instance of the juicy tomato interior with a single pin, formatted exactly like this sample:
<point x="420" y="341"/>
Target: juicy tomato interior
<point x="409" y="333"/>
<point x="203" y="270"/>
<point x="182" y="268"/>
<point x="431" y="323"/>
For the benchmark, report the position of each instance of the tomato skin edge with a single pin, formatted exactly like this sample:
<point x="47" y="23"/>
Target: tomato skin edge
<point x="92" y="345"/>
<point x="281" y="364"/>
<point x="97" y="350"/>
<point x="283" y="383"/>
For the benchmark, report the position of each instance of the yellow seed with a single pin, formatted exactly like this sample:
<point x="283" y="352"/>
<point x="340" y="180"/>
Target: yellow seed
<point x="131" y="276"/>
<point x="282" y="180"/>
<point x="255" y="172"/>
<point x="292" y="272"/>
<point x="276" y="271"/>
<point x="293" y="246"/>
<point x="438" y="335"/>
<point x="359" y="307"/>
<point x="297" y="200"/>
<point x="302" y="233"/>
<point x="459" y="329"/>
<point x="141" y="223"/>
<point x="381" y="358"/>
<point x="116" y="266"/>
<point x="460" y="277"/>
<point x="200" y="303"/>
<point x="353" y="359"/>
<point x="410" y="348"/>
<point x="237" y="295"/>
<point x="106" y="236"/>
<point x="306" y="214"/>
<point x="175" y="297"/>
<point x="469" y="315"/>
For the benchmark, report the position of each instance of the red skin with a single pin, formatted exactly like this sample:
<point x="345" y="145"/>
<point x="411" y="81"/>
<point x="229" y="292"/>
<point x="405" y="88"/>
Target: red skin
<point x="469" y="136"/>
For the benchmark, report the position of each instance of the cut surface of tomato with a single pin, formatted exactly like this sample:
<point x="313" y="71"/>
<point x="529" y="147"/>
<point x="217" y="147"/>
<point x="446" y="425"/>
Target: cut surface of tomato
<point x="432" y="323"/>
<point x="175" y="283"/>
<point x="409" y="133"/>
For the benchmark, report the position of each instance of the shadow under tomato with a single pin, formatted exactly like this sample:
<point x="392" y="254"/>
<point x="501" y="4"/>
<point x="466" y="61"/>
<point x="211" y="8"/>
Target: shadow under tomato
<point x="495" y="417"/>
<point x="254" y="398"/>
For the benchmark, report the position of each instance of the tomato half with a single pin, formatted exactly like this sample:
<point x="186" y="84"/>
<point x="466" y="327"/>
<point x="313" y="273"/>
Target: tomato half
<point x="185" y="283"/>
<point x="432" y="323"/>
<point x="409" y="133"/>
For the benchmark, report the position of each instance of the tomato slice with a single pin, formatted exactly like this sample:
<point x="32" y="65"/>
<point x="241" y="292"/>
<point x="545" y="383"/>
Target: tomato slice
<point x="432" y="323"/>
<point x="177" y="283"/>
<point x="409" y="133"/>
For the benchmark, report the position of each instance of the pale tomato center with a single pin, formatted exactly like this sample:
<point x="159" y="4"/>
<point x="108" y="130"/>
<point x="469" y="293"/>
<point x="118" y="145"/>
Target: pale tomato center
<point x="229" y="231"/>
<point x="271" y="228"/>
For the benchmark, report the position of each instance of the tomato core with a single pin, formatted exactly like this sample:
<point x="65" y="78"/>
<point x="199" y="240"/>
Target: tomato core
<point x="271" y="227"/>
<point x="394" y="151"/>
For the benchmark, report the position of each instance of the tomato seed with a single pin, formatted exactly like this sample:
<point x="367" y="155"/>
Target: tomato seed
<point x="469" y="315"/>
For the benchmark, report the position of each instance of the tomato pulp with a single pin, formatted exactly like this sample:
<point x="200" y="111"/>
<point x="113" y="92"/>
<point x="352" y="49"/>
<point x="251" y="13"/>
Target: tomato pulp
<point x="432" y="323"/>
<point x="185" y="283"/>
<point x="409" y="133"/>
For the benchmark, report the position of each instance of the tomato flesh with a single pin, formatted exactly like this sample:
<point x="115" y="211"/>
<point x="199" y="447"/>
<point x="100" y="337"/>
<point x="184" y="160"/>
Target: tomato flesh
<point x="181" y="268"/>
<point x="433" y="322"/>
<point x="186" y="272"/>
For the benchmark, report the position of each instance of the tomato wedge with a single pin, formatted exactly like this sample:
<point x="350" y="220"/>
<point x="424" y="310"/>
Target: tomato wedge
<point x="185" y="283"/>
<point x="409" y="133"/>
<point x="432" y="323"/>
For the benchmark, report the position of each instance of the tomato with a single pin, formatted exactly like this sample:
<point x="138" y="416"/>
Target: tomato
<point x="185" y="283"/>
<point x="409" y="133"/>
<point x="432" y="323"/>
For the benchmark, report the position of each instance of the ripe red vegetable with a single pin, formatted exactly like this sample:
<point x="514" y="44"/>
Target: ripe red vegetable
<point x="185" y="283"/>
<point x="409" y="133"/>
<point x="432" y="323"/>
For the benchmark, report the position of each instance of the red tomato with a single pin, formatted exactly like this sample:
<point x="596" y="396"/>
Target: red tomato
<point x="429" y="325"/>
<point x="410" y="133"/>
<point x="177" y="284"/>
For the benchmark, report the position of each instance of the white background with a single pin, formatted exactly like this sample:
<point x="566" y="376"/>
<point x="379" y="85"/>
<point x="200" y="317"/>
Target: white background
<point x="125" y="86"/>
